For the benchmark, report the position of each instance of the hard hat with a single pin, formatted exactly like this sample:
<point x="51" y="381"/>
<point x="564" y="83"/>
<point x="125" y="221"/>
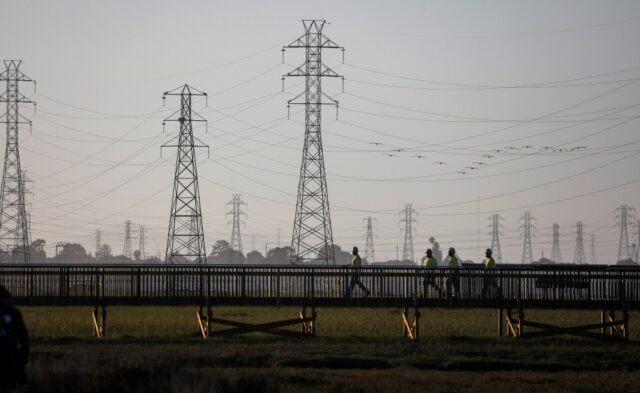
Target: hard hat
<point x="452" y="251"/>
<point x="355" y="249"/>
<point x="488" y="252"/>
<point x="429" y="252"/>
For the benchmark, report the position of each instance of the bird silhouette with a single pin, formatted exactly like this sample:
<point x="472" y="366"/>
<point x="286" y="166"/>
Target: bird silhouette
<point x="471" y="168"/>
<point x="497" y="151"/>
<point x="419" y="156"/>
<point x="577" y="148"/>
<point x="489" y="156"/>
<point x="376" y="143"/>
<point x="391" y="155"/>
<point x="399" y="150"/>
<point x="440" y="163"/>
<point x="512" y="148"/>
<point x="479" y="163"/>
<point x="463" y="172"/>
<point x="527" y="147"/>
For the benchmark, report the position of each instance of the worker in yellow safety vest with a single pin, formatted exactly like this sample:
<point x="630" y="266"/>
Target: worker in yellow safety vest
<point x="356" y="263"/>
<point x="453" y="280"/>
<point x="490" y="279"/>
<point x="429" y="262"/>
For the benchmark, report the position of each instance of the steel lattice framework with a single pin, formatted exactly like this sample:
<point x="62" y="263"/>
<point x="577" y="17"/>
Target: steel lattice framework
<point x="185" y="241"/>
<point x="312" y="239"/>
<point x="14" y="221"/>
<point x="626" y="213"/>
<point x="579" y="255"/>
<point x="527" y="225"/>
<point x="236" y="213"/>
<point x="495" y="236"/>
<point x="407" y="229"/>
<point x="369" y="251"/>
<point x="556" y="255"/>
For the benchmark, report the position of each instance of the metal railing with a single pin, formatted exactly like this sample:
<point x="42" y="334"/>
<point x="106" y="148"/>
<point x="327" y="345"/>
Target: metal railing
<point x="541" y="286"/>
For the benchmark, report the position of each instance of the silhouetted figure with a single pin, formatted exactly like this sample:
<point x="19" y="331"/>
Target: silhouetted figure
<point x="429" y="263"/>
<point x="453" y="282"/>
<point x="435" y="249"/>
<point x="14" y="344"/>
<point x="356" y="263"/>
<point x="490" y="281"/>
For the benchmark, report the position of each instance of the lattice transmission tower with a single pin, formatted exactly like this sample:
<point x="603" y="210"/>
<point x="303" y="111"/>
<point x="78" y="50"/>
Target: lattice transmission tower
<point x="98" y="252"/>
<point x="527" y="226"/>
<point x="369" y="250"/>
<point x="185" y="240"/>
<point x="625" y="214"/>
<point x="407" y="222"/>
<point x="579" y="255"/>
<point x="126" y="248"/>
<point x="14" y="221"/>
<point x="236" y="214"/>
<point x="556" y="254"/>
<point x="495" y="236"/>
<point x="142" y="242"/>
<point x="312" y="238"/>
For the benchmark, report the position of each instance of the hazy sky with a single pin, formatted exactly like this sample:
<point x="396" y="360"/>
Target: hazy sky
<point x="447" y="80"/>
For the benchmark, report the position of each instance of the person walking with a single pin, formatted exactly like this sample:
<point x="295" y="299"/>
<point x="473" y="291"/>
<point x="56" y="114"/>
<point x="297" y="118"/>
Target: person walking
<point x="429" y="263"/>
<point x="14" y="344"/>
<point x="489" y="278"/>
<point x="454" y="279"/>
<point x="356" y="263"/>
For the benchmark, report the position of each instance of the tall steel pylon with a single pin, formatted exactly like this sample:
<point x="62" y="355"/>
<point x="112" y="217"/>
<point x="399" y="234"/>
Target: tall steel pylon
<point x="369" y="250"/>
<point x="126" y="248"/>
<point x="579" y="256"/>
<point x="495" y="236"/>
<point x="142" y="242"/>
<point x="312" y="238"/>
<point x="185" y="240"/>
<point x="14" y="227"/>
<point x="98" y="252"/>
<point x="636" y="256"/>
<point x="527" y="226"/>
<point x="407" y="230"/>
<point x="236" y="213"/>
<point x="594" y="259"/>
<point x="556" y="254"/>
<point x="625" y="214"/>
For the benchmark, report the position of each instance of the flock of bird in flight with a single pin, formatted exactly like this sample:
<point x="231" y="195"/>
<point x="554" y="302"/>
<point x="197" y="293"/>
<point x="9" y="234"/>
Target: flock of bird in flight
<point x="476" y="165"/>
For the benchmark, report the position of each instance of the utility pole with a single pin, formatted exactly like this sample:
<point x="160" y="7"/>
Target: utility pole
<point x="14" y="230"/>
<point x="556" y="255"/>
<point x="126" y="249"/>
<point x="495" y="236"/>
<point x="141" y="244"/>
<point x="579" y="256"/>
<point x="185" y="239"/>
<point x="527" y="226"/>
<point x="407" y="220"/>
<point x="312" y="238"/>
<point x="625" y="213"/>
<point x="369" y="251"/>
<point x="236" y="213"/>
<point x="594" y="259"/>
<point x="98" y="244"/>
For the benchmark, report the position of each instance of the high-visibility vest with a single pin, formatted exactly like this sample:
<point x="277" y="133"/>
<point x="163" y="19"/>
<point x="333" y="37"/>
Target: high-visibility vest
<point x="429" y="262"/>
<point x="489" y="263"/>
<point x="453" y="262"/>
<point x="356" y="262"/>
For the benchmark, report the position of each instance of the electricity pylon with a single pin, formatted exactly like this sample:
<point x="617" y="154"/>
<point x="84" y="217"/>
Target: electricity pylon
<point x="369" y="251"/>
<point x="556" y="255"/>
<point x="527" y="226"/>
<point x="407" y="230"/>
<point x="126" y="248"/>
<point x="185" y="240"/>
<point x="98" y="244"/>
<point x="14" y="227"/>
<point x="579" y="256"/>
<point x="495" y="236"/>
<point x="236" y="213"/>
<point x="625" y="214"/>
<point x="312" y="238"/>
<point x="141" y="243"/>
<point x="594" y="259"/>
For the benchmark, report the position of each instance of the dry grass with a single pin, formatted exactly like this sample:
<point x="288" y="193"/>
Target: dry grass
<point x="358" y="350"/>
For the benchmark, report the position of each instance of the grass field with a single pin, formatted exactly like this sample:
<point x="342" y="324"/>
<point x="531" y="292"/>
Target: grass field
<point x="357" y="350"/>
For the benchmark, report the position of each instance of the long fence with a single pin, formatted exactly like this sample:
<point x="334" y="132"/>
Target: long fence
<point x="566" y="286"/>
